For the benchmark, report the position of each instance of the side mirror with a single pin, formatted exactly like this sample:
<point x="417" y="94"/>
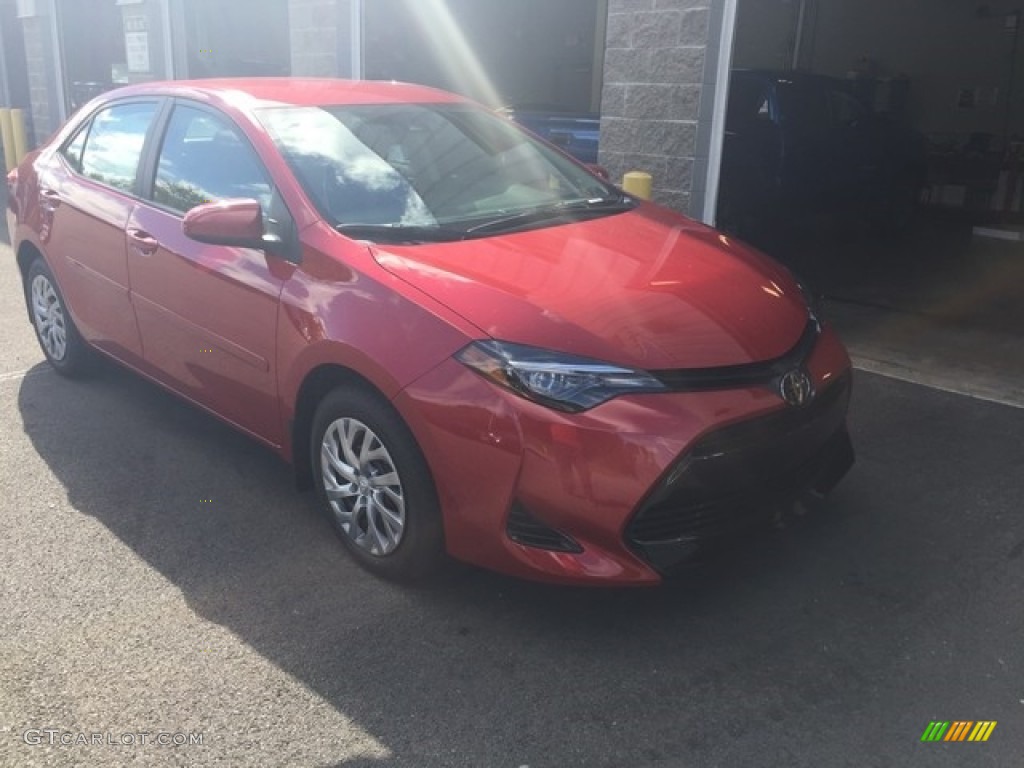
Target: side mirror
<point x="237" y="223"/>
<point x="600" y="171"/>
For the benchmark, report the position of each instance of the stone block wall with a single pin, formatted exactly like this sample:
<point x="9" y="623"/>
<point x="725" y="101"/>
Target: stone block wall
<point x="39" y="63"/>
<point x="654" y="77"/>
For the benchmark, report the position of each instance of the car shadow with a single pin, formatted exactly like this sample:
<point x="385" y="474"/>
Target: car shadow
<point x="481" y="665"/>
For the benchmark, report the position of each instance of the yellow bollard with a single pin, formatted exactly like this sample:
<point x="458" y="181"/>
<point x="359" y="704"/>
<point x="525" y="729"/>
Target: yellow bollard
<point x="20" y="137"/>
<point x="638" y="184"/>
<point x="7" y="134"/>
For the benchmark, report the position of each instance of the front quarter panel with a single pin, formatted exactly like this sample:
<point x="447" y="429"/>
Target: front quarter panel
<point x="342" y="309"/>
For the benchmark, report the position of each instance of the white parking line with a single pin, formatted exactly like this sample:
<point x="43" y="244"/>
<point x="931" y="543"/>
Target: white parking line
<point x="943" y="384"/>
<point x="19" y="375"/>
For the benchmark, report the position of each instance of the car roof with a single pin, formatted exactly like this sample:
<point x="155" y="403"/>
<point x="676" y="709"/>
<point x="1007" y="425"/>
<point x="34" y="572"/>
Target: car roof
<point x="252" y="92"/>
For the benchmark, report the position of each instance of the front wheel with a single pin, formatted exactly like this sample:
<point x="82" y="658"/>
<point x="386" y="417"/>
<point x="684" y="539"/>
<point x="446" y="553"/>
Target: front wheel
<point x="375" y="485"/>
<point x="63" y="346"/>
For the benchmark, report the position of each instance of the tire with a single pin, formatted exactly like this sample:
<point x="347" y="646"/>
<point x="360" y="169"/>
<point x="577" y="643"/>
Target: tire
<point x="62" y="344"/>
<point x="375" y="486"/>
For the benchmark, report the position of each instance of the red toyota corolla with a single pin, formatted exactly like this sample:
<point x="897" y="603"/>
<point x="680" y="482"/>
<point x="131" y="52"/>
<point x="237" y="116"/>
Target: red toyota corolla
<point x="468" y="342"/>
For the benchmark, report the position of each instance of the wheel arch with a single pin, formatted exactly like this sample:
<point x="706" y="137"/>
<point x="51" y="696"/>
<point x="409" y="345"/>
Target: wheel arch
<point x="317" y="383"/>
<point x="27" y="253"/>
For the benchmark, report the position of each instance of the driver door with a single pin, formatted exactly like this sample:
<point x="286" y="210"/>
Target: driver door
<point x="208" y="314"/>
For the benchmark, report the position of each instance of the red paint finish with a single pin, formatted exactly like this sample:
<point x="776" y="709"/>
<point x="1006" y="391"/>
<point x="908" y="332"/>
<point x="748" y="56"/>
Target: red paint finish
<point x="80" y="226"/>
<point x="190" y="297"/>
<point x="239" y="330"/>
<point x="584" y="474"/>
<point x="635" y="289"/>
<point x="225" y="220"/>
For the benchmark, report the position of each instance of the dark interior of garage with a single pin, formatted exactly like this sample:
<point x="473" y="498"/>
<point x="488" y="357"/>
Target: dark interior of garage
<point x="816" y="182"/>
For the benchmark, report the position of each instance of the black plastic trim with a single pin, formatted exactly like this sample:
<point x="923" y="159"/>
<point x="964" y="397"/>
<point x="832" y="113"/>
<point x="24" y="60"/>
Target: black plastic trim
<point x="523" y="528"/>
<point x="741" y="376"/>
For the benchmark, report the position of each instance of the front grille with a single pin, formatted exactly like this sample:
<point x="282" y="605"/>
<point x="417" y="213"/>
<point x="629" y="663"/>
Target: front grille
<point x="744" y="375"/>
<point x="523" y="528"/>
<point x="736" y="477"/>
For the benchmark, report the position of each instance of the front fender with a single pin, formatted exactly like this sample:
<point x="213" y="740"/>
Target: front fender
<point x="351" y="314"/>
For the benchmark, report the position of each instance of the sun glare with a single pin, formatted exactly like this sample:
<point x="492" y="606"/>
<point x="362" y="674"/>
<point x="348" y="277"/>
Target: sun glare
<point x="451" y="47"/>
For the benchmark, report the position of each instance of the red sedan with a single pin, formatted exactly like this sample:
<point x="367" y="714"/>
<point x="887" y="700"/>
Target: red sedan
<point x="466" y="341"/>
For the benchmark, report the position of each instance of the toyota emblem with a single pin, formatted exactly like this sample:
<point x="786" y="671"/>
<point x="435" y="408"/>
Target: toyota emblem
<point x="796" y="388"/>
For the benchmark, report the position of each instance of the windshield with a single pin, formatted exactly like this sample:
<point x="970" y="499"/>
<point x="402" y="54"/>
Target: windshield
<point x="431" y="171"/>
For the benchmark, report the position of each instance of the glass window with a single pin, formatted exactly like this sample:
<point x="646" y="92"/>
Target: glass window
<point x="107" y="43"/>
<point x="73" y="149"/>
<point x="424" y="165"/>
<point x="204" y="158"/>
<point x="114" y="145"/>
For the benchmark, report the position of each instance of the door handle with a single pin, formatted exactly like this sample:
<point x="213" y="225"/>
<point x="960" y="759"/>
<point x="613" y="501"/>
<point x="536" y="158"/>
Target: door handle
<point x="49" y="200"/>
<point x="143" y="242"/>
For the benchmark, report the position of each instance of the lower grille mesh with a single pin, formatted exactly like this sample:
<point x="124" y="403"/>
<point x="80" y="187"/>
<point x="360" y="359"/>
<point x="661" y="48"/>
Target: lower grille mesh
<point x="737" y="476"/>
<point x="523" y="528"/>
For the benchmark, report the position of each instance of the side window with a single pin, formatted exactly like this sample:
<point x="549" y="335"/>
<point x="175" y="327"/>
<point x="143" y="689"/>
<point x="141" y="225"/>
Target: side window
<point x="73" y="149"/>
<point x="204" y="158"/>
<point x="114" y="145"/>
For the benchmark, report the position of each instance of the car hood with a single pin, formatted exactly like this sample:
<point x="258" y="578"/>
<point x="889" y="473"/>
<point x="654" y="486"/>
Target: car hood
<point x="647" y="289"/>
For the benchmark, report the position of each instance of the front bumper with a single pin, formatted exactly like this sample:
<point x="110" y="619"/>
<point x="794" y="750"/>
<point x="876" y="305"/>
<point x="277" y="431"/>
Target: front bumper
<point x="622" y="493"/>
<point x="738" y="478"/>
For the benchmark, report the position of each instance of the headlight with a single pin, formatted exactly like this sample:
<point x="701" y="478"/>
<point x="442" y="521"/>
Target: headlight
<point x="556" y="380"/>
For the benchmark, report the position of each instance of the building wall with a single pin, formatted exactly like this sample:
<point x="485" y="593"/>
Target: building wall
<point x="44" y="109"/>
<point x="321" y="38"/>
<point x="656" y="92"/>
<point x="501" y="53"/>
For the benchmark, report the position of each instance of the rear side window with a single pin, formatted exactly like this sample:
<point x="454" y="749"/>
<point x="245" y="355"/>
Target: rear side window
<point x="73" y="149"/>
<point x="204" y="158"/>
<point x="114" y="144"/>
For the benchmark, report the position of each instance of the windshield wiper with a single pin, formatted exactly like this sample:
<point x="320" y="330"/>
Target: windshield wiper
<point x="395" y="234"/>
<point x="570" y="209"/>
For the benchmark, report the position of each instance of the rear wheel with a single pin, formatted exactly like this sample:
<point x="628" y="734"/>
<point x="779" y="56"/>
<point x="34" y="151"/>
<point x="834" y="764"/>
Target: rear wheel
<point x="375" y="485"/>
<point x="63" y="346"/>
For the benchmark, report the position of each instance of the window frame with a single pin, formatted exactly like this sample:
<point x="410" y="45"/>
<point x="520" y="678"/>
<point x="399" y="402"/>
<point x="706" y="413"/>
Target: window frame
<point x="289" y="249"/>
<point x="86" y="127"/>
<point x="83" y="132"/>
<point x="153" y="160"/>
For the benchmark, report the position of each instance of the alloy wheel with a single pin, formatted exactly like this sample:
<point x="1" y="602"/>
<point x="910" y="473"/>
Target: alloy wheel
<point x="362" y="486"/>
<point x="48" y="316"/>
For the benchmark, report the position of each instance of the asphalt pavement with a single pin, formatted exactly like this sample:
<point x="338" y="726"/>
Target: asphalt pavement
<point x="161" y="579"/>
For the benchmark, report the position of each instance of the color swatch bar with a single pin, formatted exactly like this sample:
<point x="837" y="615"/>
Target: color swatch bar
<point x="958" y="730"/>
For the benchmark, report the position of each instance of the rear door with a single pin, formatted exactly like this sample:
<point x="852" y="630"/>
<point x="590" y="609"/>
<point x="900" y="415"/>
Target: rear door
<point x="87" y="195"/>
<point x="207" y="313"/>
